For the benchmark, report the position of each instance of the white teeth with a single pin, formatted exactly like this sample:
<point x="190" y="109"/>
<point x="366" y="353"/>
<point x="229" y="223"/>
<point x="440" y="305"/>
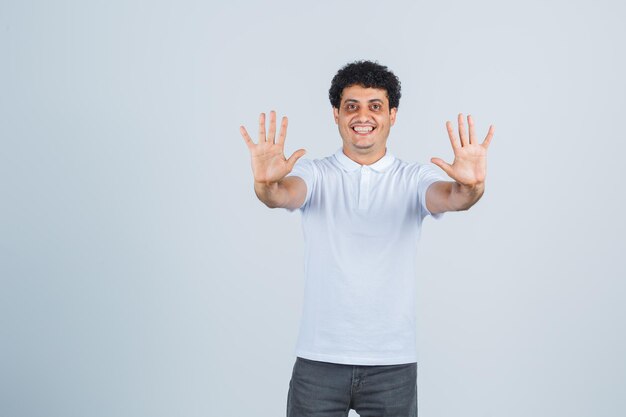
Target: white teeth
<point x="363" y="129"/>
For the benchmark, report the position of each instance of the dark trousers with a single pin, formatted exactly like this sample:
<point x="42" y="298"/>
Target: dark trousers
<point x="324" y="389"/>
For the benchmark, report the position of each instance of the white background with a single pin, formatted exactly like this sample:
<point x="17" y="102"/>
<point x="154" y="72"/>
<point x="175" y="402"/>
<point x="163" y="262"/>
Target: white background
<point x="139" y="275"/>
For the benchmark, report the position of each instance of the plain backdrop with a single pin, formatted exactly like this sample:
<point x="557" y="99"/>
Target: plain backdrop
<point x="140" y="276"/>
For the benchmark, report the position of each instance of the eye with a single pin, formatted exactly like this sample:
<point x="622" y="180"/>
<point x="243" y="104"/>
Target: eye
<point x="376" y="106"/>
<point x="351" y="106"/>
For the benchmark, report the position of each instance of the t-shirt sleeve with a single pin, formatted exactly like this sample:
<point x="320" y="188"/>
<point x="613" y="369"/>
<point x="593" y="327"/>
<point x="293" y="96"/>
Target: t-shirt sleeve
<point x="305" y="169"/>
<point x="427" y="175"/>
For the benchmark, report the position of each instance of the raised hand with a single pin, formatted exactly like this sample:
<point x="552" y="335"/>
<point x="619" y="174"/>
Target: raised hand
<point x="470" y="157"/>
<point x="269" y="164"/>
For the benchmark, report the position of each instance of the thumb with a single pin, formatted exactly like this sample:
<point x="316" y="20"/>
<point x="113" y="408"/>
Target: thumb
<point x="447" y="168"/>
<point x="294" y="157"/>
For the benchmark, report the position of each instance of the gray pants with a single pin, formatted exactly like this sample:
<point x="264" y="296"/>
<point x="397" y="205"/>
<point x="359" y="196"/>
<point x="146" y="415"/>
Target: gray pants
<point x="324" y="389"/>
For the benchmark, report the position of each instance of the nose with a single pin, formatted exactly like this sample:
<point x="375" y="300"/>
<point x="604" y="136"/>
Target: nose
<point x="363" y="114"/>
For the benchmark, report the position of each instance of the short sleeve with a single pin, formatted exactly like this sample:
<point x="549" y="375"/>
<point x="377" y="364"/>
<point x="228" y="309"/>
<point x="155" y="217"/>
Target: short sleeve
<point x="427" y="175"/>
<point x="305" y="169"/>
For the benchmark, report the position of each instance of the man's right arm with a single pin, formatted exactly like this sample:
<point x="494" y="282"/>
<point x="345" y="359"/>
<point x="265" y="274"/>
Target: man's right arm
<point x="289" y="193"/>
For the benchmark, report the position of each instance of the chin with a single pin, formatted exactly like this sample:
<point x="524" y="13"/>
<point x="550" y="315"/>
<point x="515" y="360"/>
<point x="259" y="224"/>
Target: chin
<point x="363" y="144"/>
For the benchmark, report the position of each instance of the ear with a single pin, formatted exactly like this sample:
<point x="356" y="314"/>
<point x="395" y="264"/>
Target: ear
<point x="392" y="115"/>
<point x="336" y="115"/>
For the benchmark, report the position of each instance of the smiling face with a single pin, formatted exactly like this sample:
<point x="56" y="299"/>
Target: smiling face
<point x="364" y="120"/>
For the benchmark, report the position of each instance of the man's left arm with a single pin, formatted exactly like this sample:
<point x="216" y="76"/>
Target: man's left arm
<point x="468" y="170"/>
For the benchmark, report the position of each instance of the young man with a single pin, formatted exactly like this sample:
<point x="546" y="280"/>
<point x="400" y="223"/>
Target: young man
<point x="362" y="210"/>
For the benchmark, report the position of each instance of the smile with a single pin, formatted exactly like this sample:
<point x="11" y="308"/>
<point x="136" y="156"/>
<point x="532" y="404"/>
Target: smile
<point x="363" y="130"/>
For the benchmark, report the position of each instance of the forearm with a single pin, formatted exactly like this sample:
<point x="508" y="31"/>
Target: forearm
<point x="273" y="194"/>
<point x="288" y="192"/>
<point x="462" y="197"/>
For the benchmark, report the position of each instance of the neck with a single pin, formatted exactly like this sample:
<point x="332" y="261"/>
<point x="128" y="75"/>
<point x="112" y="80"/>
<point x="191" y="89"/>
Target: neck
<point x="366" y="158"/>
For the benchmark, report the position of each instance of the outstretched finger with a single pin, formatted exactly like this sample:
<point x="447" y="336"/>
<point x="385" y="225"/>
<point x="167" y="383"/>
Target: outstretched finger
<point x="447" y="168"/>
<point x="246" y="137"/>
<point x="283" y="131"/>
<point x="487" y="140"/>
<point x="294" y="157"/>
<point x="472" y="133"/>
<point x="453" y="140"/>
<point x="462" y="133"/>
<point x="262" y="137"/>
<point x="272" y="132"/>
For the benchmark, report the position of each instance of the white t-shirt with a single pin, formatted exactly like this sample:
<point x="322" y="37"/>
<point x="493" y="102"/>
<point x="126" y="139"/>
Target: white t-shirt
<point x="361" y="225"/>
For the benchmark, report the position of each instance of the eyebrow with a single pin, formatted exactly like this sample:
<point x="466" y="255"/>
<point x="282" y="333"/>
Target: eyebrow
<point x="352" y="100"/>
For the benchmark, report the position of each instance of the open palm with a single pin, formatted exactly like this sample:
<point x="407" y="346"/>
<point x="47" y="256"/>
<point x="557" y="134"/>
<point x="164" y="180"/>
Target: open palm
<point x="470" y="157"/>
<point x="268" y="155"/>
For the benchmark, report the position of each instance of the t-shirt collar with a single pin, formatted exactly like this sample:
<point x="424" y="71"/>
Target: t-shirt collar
<point x="349" y="165"/>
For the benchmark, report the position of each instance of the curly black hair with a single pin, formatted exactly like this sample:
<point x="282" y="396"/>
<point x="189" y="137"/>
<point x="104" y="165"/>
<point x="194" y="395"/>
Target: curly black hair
<point x="367" y="74"/>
